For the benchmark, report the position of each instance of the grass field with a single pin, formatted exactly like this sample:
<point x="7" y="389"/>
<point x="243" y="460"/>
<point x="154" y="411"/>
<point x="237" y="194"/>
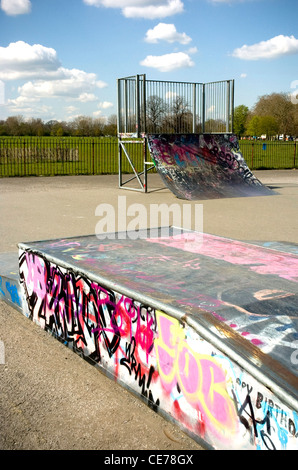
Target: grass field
<point x="269" y="155"/>
<point x="49" y="156"/>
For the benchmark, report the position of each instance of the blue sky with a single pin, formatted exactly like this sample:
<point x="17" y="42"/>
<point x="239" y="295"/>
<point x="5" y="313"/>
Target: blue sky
<point x="61" y="58"/>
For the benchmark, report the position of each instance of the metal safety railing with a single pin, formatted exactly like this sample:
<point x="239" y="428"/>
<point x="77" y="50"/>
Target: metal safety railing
<point x="168" y="107"/>
<point x="152" y="106"/>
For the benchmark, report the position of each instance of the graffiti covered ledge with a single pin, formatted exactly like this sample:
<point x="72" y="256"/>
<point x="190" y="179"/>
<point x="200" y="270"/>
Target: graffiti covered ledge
<point x="201" y="328"/>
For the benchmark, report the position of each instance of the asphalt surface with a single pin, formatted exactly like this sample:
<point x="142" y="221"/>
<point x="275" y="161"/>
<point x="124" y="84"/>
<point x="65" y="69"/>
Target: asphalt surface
<point x="50" y="398"/>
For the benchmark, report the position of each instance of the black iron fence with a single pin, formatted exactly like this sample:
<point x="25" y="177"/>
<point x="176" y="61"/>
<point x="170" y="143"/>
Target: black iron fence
<point x="46" y="156"/>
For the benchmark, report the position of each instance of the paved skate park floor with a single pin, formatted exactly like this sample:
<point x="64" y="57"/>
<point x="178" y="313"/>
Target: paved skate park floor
<point x="50" y="399"/>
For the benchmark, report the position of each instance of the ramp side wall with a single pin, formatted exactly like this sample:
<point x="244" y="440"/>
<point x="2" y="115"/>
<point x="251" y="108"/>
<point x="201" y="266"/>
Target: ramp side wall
<point x="160" y="359"/>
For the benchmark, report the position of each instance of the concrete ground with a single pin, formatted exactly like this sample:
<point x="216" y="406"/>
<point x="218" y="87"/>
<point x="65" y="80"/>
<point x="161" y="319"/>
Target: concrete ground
<point x="50" y="399"/>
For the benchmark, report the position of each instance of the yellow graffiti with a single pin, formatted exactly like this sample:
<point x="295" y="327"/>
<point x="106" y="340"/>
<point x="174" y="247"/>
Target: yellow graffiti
<point x="200" y="377"/>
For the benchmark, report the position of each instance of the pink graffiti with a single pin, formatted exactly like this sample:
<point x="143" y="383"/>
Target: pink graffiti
<point x="36" y="279"/>
<point x="258" y="259"/>
<point x="126" y="319"/>
<point x="78" y="311"/>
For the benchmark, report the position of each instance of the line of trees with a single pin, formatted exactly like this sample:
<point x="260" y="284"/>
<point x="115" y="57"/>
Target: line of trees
<point x="82" y="126"/>
<point x="273" y="115"/>
<point x="174" y="116"/>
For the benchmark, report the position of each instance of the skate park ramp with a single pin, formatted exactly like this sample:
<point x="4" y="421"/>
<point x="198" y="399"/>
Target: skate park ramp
<point x="201" y="328"/>
<point x="203" y="166"/>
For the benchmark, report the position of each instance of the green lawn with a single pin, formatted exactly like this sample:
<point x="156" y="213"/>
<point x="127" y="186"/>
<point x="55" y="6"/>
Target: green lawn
<point x="269" y="155"/>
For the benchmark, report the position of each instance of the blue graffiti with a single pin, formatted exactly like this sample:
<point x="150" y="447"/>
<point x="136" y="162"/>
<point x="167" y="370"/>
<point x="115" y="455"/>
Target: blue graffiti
<point x="1" y="291"/>
<point x="13" y="291"/>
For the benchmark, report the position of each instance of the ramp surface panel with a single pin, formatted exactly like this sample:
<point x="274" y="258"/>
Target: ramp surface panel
<point x="202" y="327"/>
<point x="203" y="166"/>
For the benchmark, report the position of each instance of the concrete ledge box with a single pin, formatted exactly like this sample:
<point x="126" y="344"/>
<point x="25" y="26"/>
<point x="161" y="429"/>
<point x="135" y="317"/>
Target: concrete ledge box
<point x="195" y="325"/>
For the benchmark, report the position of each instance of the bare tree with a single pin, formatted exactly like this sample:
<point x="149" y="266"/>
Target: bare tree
<point x="98" y="126"/>
<point x="15" y="125"/>
<point x="155" y="111"/>
<point x="111" y="125"/>
<point x="215" y="125"/>
<point x="179" y="118"/>
<point x="35" y="126"/>
<point x="82" y="126"/>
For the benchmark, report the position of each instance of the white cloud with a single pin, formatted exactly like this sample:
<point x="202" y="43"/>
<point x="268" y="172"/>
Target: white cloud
<point x="227" y="1"/>
<point x="40" y="64"/>
<point x="161" y="10"/>
<point x="87" y="97"/>
<point x="97" y="113"/>
<point x="75" y="84"/>
<point x="30" y="108"/>
<point x="22" y="101"/>
<point x="168" y="62"/>
<point x="43" y="77"/>
<point x="170" y="95"/>
<point x="166" y="32"/>
<point x="47" y="77"/>
<point x="243" y="75"/>
<point x="105" y="105"/>
<point x="2" y="93"/>
<point x="149" y="9"/>
<point x="21" y="60"/>
<point x="71" y="109"/>
<point x="16" y="7"/>
<point x="271" y="49"/>
<point x="192" y="50"/>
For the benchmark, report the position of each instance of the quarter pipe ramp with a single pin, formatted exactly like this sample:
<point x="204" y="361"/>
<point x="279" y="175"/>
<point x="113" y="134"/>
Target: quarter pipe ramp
<point x="203" y="166"/>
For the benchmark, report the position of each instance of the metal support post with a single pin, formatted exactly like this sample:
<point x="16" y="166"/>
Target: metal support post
<point x="203" y="107"/>
<point x="228" y="104"/>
